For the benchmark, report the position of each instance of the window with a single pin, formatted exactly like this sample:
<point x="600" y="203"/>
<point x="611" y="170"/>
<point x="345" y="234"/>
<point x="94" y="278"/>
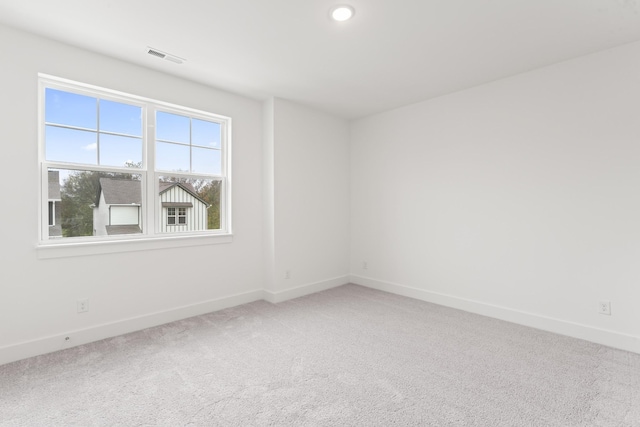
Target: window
<point x="51" y="214"/>
<point x="181" y="215"/>
<point x="118" y="166"/>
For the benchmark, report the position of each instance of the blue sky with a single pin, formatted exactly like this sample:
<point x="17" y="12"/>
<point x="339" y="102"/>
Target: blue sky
<point x="179" y="138"/>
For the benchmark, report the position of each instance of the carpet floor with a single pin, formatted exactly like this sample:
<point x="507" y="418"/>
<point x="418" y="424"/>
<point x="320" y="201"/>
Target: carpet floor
<point x="349" y="356"/>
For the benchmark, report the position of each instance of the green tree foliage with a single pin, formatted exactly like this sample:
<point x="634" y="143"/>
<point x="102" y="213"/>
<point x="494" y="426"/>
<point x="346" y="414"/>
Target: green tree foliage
<point x="78" y="193"/>
<point x="210" y="193"/>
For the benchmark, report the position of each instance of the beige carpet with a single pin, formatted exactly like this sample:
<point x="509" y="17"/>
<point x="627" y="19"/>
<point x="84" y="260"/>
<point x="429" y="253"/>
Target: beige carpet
<point x="350" y="356"/>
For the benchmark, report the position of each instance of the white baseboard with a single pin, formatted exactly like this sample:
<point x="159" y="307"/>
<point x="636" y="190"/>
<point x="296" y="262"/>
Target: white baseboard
<point x="562" y="327"/>
<point x="57" y="342"/>
<point x="52" y="343"/>
<point x="300" y="291"/>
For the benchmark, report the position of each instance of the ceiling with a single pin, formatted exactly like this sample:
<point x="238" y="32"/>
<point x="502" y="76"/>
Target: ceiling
<point x="392" y="53"/>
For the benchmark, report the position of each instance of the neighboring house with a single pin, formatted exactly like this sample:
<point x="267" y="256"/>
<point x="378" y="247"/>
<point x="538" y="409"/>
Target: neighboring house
<point x="181" y="209"/>
<point x="55" y="201"/>
<point x="118" y="208"/>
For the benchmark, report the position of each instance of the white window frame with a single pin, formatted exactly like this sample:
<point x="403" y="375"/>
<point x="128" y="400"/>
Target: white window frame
<point x="151" y="237"/>
<point x="182" y="213"/>
<point x="177" y="215"/>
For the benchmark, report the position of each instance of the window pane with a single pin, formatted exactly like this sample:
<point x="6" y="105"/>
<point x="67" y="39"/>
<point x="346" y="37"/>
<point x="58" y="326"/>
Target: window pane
<point x="90" y="203"/>
<point x="70" y="145"/>
<point x="95" y="147"/>
<point x="205" y="134"/>
<point x="120" y="151"/>
<point x="172" y="127"/>
<point x="195" y="201"/>
<point x="70" y="109"/>
<point x="172" y="157"/>
<point x="206" y="161"/>
<point x="120" y="118"/>
<point x="209" y="191"/>
<point x="54" y="201"/>
<point x="51" y="213"/>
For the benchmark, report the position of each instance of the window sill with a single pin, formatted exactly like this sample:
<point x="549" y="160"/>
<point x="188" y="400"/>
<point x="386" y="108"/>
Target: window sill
<point x="73" y="249"/>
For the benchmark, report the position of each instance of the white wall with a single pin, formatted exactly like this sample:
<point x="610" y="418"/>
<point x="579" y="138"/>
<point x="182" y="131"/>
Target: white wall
<point x="519" y="199"/>
<point x="309" y="198"/>
<point x="268" y="197"/>
<point x="126" y="290"/>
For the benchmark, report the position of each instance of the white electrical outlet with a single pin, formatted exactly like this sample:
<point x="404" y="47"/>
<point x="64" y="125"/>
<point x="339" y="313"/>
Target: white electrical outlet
<point x="365" y="265"/>
<point x="604" y="307"/>
<point x="287" y="274"/>
<point x="83" y="305"/>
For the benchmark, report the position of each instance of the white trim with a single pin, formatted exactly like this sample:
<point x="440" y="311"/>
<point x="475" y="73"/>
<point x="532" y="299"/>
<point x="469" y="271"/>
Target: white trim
<point x="118" y="96"/>
<point x="150" y="211"/>
<point x="558" y="326"/>
<point x="300" y="291"/>
<point x="57" y="342"/>
<point x="43" y="197"/>
<point x="225" y="190"/>
<point x="96" y="247"/>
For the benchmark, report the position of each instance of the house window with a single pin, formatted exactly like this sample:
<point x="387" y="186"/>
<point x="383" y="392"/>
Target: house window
<point x="52" y="214"/>
<point x="176" y="216"/>
<point x="118" y="164"/>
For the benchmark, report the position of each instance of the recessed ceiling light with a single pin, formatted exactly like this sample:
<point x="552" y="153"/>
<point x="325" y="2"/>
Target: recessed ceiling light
<point x="342" y="12"/>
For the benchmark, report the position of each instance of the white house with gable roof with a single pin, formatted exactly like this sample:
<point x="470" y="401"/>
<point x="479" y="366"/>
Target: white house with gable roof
<point x="118" y="208"/>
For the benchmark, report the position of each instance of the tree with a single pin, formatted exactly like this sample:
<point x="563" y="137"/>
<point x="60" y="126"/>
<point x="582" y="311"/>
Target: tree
<point x="79" y="192"/>
<point x="210" y="193"/>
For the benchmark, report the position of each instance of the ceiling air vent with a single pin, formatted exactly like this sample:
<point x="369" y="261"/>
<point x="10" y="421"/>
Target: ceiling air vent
<point x="164" y="55"/>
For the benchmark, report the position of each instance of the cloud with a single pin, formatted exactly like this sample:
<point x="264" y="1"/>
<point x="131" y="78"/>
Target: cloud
<point x="91" y="147"/>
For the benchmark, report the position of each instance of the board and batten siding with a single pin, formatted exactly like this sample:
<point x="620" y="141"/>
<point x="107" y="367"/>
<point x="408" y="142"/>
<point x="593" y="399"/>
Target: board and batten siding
<point x="196" y="215"/>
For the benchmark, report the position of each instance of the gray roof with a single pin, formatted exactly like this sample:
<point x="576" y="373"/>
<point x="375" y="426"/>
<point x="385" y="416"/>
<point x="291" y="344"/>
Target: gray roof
<point x="177" y="204"/>
<point x="121" y="191"/>
<point x="54" y="185"/>
<point x="127" y="192"/>
<point x="165" y="186"/>
<point x="112" y="230"/>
